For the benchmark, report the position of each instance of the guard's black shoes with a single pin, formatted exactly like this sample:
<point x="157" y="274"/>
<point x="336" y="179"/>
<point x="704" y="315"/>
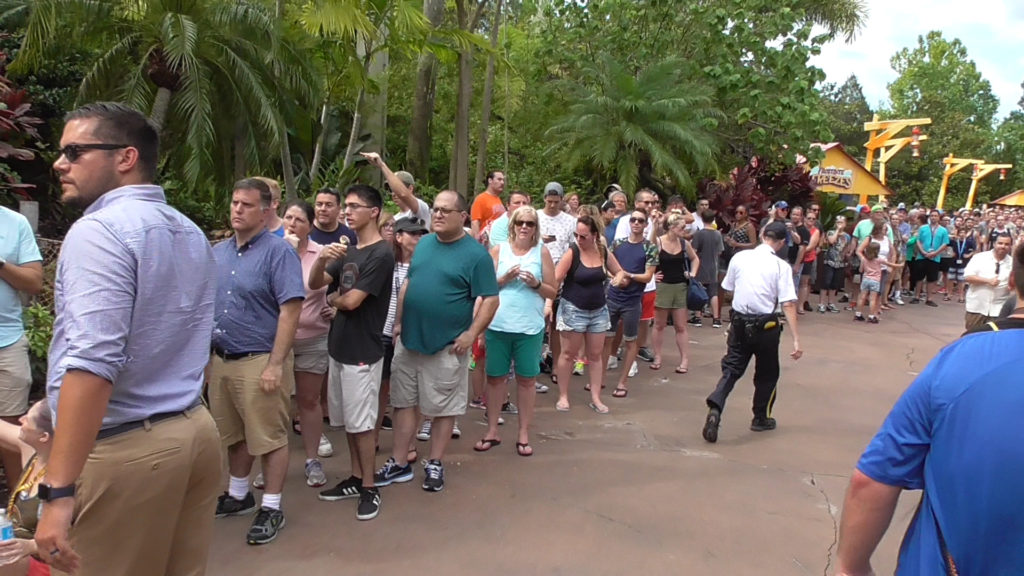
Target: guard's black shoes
<point x="710" y="432"/>
<point x="762" y="424"/>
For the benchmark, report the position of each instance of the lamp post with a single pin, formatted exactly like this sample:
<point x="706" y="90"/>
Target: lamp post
<point x="953" y="165"/>
<point x="980" y="171"/>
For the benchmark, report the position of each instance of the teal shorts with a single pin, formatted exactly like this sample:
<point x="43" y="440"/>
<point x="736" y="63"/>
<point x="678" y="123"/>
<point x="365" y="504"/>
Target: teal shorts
<point x="505" y="347"/>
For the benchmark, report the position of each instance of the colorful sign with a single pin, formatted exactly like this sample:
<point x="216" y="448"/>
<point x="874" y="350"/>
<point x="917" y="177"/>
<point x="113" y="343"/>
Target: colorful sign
<point x="832" y="176"/>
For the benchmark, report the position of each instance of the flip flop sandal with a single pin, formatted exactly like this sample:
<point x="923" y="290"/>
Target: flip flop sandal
<point x="597" y="409"/>
<point x="655" y="365"/>
<point x="620" y="392"/>
<point x="681" y="370"/>
<point x="522" y="447"/>
<point x="561" y="407"/>
<point x="486" y="444"/>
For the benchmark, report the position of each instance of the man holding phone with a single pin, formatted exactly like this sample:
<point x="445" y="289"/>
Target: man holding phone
<point x="556" y="228"/>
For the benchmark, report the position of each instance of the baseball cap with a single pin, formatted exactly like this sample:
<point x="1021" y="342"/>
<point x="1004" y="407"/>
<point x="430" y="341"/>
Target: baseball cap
<point x="878" y="208"/>
<point x="901" y="206"/>
<point x="611" y="188"/>
<point x="406" y="178"/>
<point x="776" y="231"/>
<point x="553" y="189"/>
<point x="781" y="204"/>
<point x="865" y="209"/>
<point x="410" y="224"/>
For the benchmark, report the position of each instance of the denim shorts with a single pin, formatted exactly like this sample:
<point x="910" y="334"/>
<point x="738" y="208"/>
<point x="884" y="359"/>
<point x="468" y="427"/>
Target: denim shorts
<point x="630" y="316"/>
<point x="573" y="319"/>
<point x="869" y="285"/>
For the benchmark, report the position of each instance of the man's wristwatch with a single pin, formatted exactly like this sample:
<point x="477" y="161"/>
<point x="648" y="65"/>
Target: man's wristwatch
<point x="48" y="493"/>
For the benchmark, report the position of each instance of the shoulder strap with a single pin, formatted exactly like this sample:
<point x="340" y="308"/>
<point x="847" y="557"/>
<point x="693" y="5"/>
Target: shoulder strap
<point x="575" y="262"/>
<point x="993" y="326"/>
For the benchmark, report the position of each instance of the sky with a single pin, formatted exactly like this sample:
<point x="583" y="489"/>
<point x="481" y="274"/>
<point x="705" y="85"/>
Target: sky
<point x="990" y="29"/>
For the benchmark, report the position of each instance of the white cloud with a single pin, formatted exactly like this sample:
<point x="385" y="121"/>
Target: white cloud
<point x="988" y="28"/>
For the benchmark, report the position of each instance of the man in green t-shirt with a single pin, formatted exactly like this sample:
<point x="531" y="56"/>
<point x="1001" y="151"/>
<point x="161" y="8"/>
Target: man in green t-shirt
<point x="434" y="330"/>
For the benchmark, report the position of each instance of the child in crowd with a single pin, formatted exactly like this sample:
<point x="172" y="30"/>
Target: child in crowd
<point x="870" y="284"/>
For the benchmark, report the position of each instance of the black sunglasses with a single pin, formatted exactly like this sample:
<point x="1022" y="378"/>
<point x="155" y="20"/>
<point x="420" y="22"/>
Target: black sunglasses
<point x="74" y="151"/>
<point x="527" y="223"/>
<point x="637" y="221"/>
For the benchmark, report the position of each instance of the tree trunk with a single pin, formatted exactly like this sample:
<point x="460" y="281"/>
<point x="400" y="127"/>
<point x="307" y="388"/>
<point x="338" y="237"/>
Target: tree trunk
<point x="241" y="164"/>
<point x="485" y="107"/>
<point x="417" y="154"/>
<point x="357" y="126"/>
<point x="161" y="104"/>
<point x="318" y="150"/>
<point x="458" y="170"/>
<point x="290" y="188"/>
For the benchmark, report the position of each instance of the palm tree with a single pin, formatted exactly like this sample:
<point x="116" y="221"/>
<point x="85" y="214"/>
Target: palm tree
<point x="210" y="72"/>
<point x="639" y="129"/>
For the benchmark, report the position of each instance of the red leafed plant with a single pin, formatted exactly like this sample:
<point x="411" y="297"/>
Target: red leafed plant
<point x="17" y="129"/>
<point x="754" y="186"/>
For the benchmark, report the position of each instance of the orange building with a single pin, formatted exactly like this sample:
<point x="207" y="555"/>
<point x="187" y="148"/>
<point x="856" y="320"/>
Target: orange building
<point x="840" y="173"/>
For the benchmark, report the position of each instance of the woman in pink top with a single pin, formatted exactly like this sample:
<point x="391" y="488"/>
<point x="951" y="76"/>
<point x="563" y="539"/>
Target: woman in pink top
<point x="310" y="348"/>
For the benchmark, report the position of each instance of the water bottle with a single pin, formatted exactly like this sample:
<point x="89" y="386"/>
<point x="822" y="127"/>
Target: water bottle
<point x="6" y="527"/>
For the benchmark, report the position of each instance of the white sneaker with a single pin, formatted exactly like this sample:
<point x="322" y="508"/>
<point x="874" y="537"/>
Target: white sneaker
<point x="633" y="370"/>
<point x="613" y="362"/>
<point x="325" y="449"/>
<point x="541" y="388"/>
<point x="456" y="433"/>
<point x="424" y="431"/>
<point x="258" y="482"/>
<point x="315" y="476"/>
<point x="899" y="301"/>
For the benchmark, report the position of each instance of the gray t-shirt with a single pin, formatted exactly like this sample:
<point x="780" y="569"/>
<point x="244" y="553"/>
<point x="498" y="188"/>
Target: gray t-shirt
<point x="708" y="244"/>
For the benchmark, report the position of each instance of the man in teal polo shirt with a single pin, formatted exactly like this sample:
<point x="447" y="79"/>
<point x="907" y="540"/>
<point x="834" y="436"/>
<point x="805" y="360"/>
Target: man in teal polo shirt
<point x="931" y="241"/>
<point x="21" y="270"/>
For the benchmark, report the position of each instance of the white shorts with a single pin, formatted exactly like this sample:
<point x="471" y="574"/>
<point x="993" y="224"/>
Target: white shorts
<point x="352" y="392"/>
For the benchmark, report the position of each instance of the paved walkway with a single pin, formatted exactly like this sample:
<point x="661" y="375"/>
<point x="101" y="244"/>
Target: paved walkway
<point x="636" y="491"/>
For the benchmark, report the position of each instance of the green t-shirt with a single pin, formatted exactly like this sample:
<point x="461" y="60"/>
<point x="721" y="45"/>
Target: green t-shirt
<point x="864" y="228"/>
<point x="444" y="282"/>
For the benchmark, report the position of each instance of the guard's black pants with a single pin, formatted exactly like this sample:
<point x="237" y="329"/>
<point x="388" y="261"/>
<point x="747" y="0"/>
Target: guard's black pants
<point x="747" y="337"/>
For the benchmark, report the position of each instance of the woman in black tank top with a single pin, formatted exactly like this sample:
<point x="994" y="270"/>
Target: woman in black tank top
<point x="676" y="255"/>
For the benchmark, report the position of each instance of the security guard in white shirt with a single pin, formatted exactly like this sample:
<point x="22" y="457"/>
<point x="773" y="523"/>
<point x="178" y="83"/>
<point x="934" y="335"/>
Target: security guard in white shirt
<point x="759" y="280"/>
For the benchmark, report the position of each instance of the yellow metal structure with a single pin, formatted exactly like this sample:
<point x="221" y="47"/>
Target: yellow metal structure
<point x="883" y="135"/>
<point x="982" y="171"/>
<point x="892" y="148"/>
<point x="953" y="165"/>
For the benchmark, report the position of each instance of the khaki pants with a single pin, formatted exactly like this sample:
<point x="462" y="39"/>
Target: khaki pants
<point x="973" y="320"/>
<point x="146" y="498"/>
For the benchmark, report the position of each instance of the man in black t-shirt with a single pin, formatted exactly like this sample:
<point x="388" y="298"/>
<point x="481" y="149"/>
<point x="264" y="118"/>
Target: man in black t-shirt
<point x="359" y="279"/>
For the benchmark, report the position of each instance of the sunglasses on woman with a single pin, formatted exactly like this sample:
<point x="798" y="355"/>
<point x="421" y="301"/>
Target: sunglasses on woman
<point x="527" y="223"/>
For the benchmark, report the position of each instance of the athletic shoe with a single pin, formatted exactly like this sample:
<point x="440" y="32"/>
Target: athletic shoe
<point x="325" y="449"/>
<point x="369" y="504"/>
<point x="228" y="506"/>
<point x="541" y="388"/>
<point x="873" y="319"/>
<point x="899" y="301"/>
<point x="645" y="354"/>
<point x="716" y="323"/>
<point x="509" y="408"/>
<point x="434" y="480"/>
<point x="265" y="526"/>
<point x="832" y="308"/>
<point x="858" y="317"/>
<point x="915" y="300"/>
<point x="633" y="370"/>
<point x="347" y="488"/>
<point x="501" y="421"/>
<point x="478" y="403"/>
<point x="456" y="433"/>
<point x="424" y="432"/>
<point x="931" y="303"/>
<point x="694" y="321"/>
<point x="613" y="362"/>
<point x="385" y="423"/>
<point x="577" y="368"/>
<point x="844" y="298"/>
<point x="821" y="308"/>
<point x="762" y="424"/>
<point x="391" y="473"/>
<point x="315" y="476"/>
<point x="258" y="482"/>
<point x="710" y="432"/>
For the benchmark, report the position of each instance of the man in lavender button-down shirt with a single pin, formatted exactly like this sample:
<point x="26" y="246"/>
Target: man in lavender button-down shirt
<point x="135" y="463"/>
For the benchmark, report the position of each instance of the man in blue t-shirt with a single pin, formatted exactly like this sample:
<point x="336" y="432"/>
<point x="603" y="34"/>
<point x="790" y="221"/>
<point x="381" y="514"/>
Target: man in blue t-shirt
<point x="953" y="434"/>
<point x="931" y="242"/>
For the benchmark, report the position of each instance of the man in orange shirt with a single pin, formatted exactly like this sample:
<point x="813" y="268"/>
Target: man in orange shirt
<point x="487" y="206"/>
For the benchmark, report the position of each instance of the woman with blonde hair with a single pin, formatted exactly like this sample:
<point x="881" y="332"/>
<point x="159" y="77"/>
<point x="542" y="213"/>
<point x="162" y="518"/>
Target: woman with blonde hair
<point x="526" y="277"/>
<point x="678" y="264"/>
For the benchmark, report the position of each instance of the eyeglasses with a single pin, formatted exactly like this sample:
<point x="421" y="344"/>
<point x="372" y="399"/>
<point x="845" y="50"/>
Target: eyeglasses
<point x="443" y="211"/>
<point x="72" y="152"/>
<point x="648" y="201"/>
<point x="638" y="221"/>
<point x="354" y="206"/>
<point x="527" y="223"/>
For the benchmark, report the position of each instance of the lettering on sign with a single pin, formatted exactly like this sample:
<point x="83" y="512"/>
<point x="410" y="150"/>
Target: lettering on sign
<point x="832" y="176"/>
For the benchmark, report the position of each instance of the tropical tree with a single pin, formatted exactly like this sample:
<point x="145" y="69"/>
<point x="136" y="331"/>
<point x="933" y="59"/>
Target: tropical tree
<point x="847" y="111"/>
<point x="654" y="129"/>
<point x="202" y="68"/>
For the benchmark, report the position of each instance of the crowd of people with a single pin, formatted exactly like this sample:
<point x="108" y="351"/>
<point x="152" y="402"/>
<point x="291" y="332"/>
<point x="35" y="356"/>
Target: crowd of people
<point x="169" y="352"/>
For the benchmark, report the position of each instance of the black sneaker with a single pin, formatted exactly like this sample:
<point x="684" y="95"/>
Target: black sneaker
<point x="694" y="321"/>
<point x="716" y="323"/>
<point x="265" y="526"/>
<point x="385" y="423"/>
<point x="711" y="423"/>
<point x="228" y="506"/>
<point x="369" y="504"/>
<point x="509" y="408"/>
<point x="762" y="424"/>
<point x="645" y="355"/>
<point x="434" y="481"/>
<point x="391" y="472"/>
<point x="348" y="488"/>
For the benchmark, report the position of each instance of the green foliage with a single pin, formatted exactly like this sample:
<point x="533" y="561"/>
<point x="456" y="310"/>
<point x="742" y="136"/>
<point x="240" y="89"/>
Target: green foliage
<point x="937" y="80"/>
<point x="1009" y="150"/>
<point x="38" y="320"/>
<point x="847" y="111"/>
